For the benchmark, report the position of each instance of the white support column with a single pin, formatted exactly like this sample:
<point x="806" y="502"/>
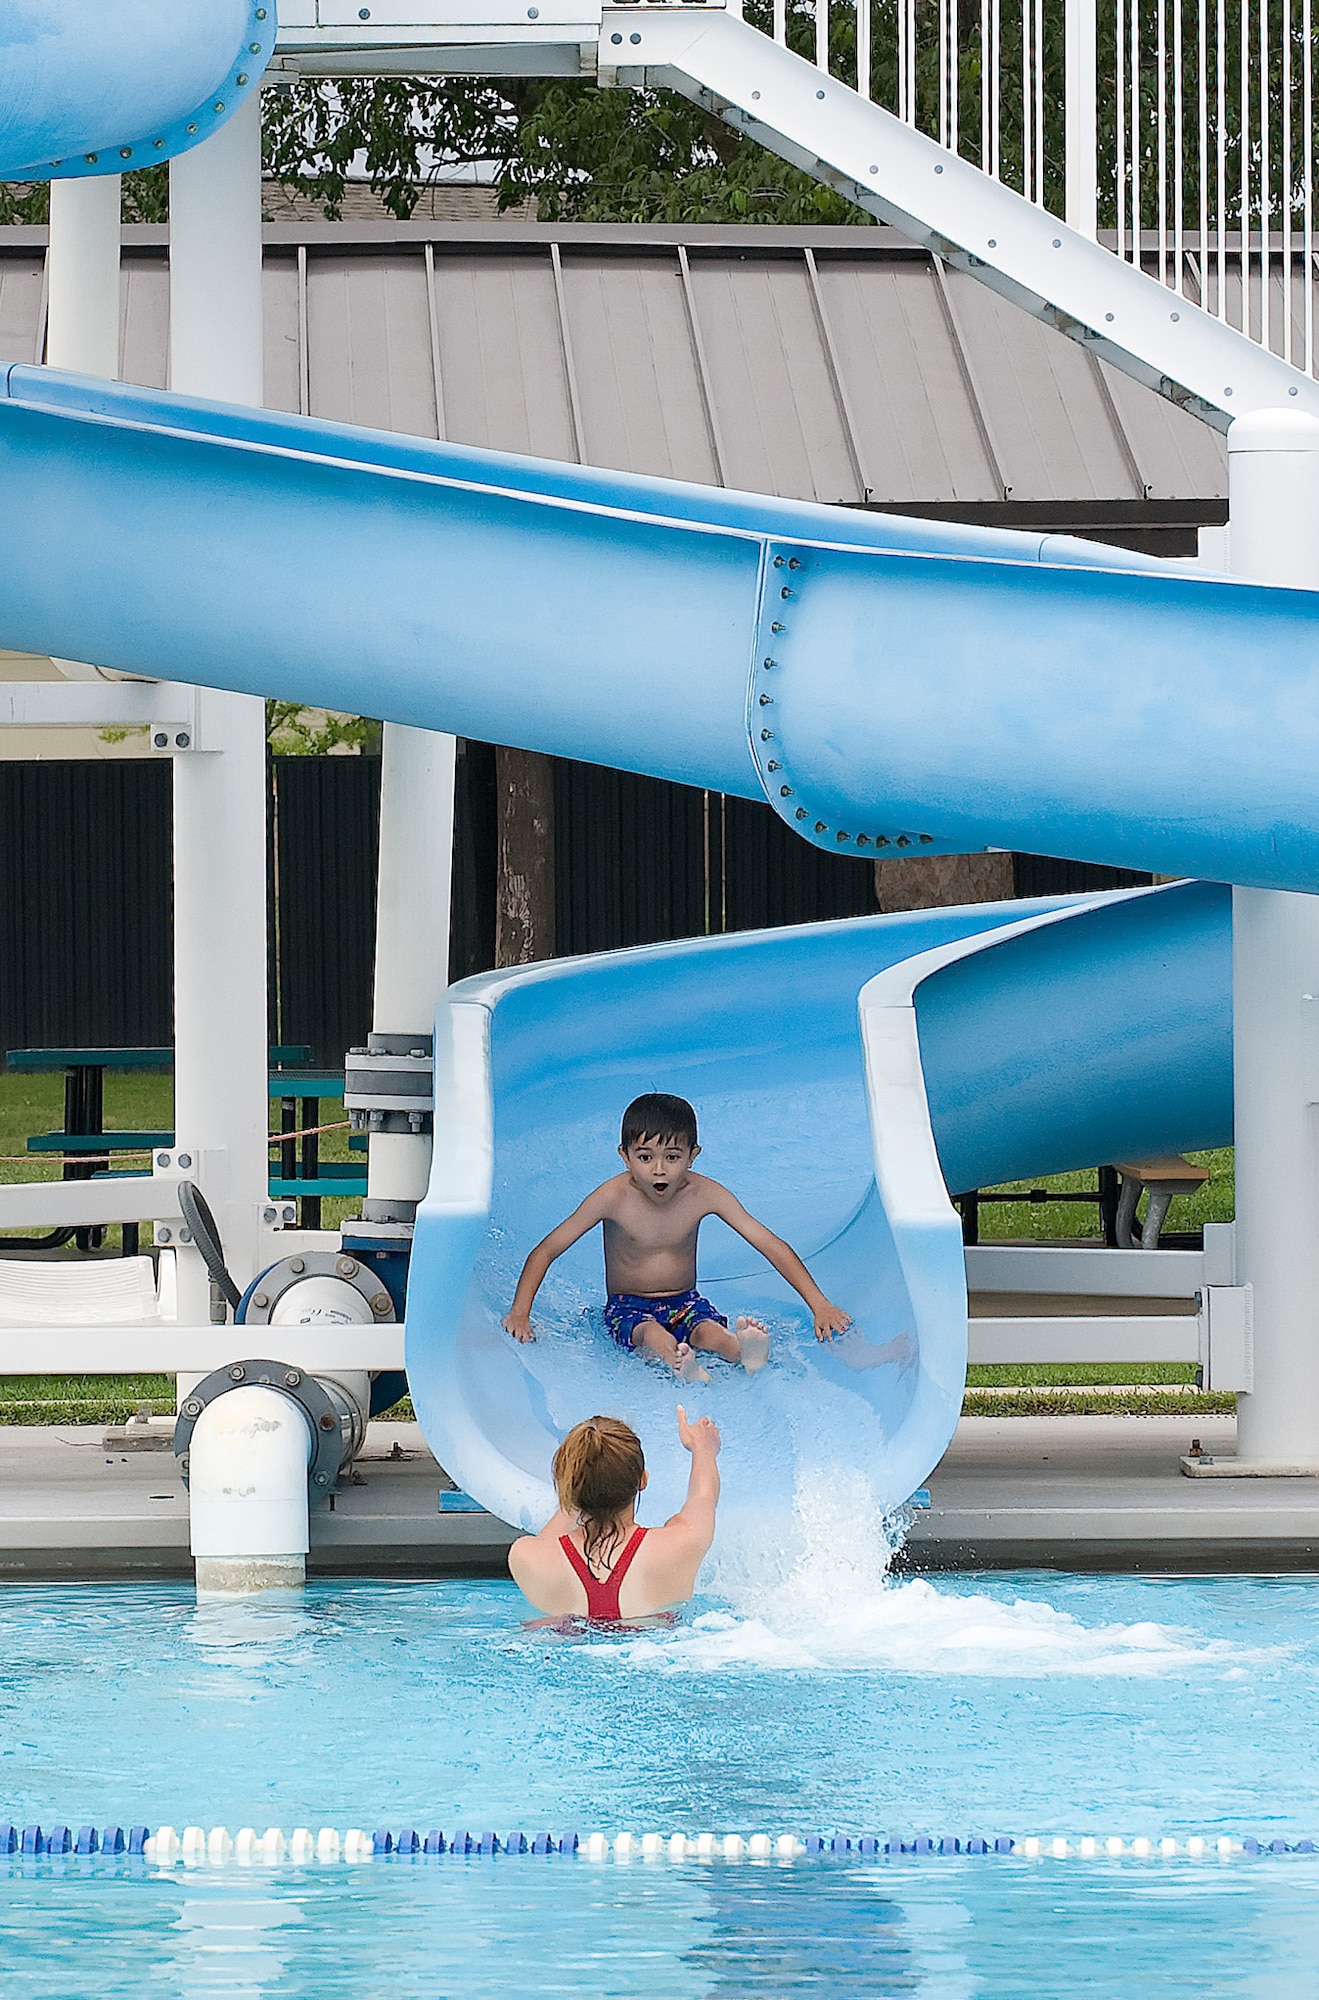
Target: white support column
<point x="221" y="1106"/>
<point x="1080" y="115"/>
<point x="412" y="935"/>
<point x="82" y="277"/>
<point x="1273" y="486"/>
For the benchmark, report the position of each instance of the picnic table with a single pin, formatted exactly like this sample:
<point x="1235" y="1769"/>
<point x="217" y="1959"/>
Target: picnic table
<point x="87" y="1148"/>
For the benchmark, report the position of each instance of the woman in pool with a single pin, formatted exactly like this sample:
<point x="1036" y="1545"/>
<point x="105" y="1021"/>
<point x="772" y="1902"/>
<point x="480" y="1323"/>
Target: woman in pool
<point x="592" y="1561"/>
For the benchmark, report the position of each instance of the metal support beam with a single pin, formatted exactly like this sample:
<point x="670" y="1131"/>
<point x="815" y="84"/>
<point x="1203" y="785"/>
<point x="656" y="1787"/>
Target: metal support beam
<point x="220" y="801"/>
<point x="82" y="271"/>
<point x="1273" y="489"/>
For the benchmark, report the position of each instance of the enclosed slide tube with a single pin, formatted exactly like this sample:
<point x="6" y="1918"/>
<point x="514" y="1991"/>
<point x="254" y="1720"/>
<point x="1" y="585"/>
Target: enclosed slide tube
<point x="888" y="685"/>
<point x="846" y="1076"/>
<point x="94" y="87"/>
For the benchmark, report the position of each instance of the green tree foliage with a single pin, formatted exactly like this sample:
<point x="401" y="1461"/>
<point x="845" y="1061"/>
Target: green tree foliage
<point x="581" y="154"/>
<point x="293" y="731"/>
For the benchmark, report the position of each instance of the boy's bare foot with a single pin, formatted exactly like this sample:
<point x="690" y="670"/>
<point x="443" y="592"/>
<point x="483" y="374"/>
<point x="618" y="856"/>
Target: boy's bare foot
<point x="753" y="1339"/>
<point x="689" y="1369"/>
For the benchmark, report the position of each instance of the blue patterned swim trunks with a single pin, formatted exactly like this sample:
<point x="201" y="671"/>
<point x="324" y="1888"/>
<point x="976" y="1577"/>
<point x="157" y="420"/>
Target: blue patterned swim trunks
<point x="678" y="1314"/>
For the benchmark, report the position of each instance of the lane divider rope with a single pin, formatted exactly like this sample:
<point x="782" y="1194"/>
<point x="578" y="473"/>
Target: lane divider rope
<point x="164" y="1846"/>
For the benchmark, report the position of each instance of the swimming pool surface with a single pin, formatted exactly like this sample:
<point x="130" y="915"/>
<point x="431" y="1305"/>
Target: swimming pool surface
<point x="1007" y="1704"/>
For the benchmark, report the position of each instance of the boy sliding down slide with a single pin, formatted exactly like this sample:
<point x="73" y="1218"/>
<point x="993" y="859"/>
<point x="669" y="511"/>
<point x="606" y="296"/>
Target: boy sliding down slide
<point x="652" y="1215"/>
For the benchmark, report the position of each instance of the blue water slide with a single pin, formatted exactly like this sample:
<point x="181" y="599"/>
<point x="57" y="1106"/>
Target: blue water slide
<point x="889" y="686"/>
<point x="996" y="1041"/>
<point x="105" y="86"/>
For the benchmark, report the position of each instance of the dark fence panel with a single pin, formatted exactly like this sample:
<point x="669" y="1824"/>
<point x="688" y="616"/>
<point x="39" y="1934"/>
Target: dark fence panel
<point x="475" y="852"/>
<point x="86" y="918"/>
<point x="1042" y="875"/>
<point x="638" y="860"/>
<point x="630" y="859"/>
<point x="772" y="877"/>
<point x="325" y="815"/>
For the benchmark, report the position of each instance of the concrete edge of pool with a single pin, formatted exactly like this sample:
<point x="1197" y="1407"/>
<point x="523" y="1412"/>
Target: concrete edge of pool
<point x="1065" y="1493"/>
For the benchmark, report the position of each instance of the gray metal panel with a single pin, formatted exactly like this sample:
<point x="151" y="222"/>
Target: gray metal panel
<point x="501" y="353"/>
<point x="368" y="341"/>
<point x="283" y="359"/>
<point x="21" y="293"/>
<point x="1046" y="406"/>
<point x="1183" y="458"/>
<point x="637" y="377"/>
<point x="916" y="424"/>
<point x="144" y="320"/>
<point x="779" y="421"/>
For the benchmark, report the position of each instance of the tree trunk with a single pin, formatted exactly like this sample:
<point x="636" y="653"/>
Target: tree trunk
<point x="942" y="881"/>
<point x="524" y="894"/>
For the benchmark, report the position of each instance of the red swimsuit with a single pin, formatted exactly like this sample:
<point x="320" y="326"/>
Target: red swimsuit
<point x="602" y="1598"/>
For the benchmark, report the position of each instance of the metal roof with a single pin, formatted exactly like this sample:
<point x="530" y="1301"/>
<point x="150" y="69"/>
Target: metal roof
<point x="830" y="364"/>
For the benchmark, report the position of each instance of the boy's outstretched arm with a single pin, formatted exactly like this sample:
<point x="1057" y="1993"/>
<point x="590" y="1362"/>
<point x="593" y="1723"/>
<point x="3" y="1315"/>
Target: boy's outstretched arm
<point x="517" y="1320"/>
<point x="829" y="1319"/>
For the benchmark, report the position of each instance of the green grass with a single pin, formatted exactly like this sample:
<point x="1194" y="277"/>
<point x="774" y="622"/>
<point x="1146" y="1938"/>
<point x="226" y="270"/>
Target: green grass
<point x="1047" y="1220"/>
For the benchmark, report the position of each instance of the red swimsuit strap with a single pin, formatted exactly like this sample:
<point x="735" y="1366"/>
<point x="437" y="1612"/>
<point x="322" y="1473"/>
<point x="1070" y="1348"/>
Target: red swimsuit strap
<point x="602" y="1596"/>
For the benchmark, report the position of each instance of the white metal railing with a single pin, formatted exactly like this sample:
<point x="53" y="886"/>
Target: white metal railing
<point x="1180" y="132"/>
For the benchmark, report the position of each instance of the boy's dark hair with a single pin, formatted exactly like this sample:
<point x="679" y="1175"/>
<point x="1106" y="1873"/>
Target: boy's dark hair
<point x="659" y="1117"/>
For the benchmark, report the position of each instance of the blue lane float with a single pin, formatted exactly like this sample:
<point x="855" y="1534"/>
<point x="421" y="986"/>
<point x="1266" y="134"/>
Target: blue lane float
<point x="165" y="1847"/>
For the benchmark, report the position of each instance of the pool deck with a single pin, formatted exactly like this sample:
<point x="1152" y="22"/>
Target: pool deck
<point x="1106" y="1493"/>
<point x="1012" y="1492"/>
<point x="72" y="1506"/>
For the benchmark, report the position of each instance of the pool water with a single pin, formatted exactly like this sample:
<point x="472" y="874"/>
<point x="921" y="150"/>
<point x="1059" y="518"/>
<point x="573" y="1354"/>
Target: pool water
<point x="837" y="1700"/>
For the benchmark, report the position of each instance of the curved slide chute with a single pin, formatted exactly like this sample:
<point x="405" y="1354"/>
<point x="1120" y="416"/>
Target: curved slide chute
<point x="92" y="87"/>
<point x="995" y="1041"/>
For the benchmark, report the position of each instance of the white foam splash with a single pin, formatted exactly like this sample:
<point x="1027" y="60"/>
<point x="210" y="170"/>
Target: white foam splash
<point x="815" y="1594"/>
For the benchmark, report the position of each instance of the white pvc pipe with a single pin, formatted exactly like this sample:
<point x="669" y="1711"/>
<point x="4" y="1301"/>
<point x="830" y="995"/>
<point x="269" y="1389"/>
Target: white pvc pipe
<point x="247" y="1489"/>
<point x="412" y="925"/>
<point x="82" y="277"/>
<point x="221" y="1105"/>
<point x="1273" y="487"/>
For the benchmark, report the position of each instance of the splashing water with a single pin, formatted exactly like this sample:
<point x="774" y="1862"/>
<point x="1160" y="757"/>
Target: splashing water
<point x="820" y="1597"/>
